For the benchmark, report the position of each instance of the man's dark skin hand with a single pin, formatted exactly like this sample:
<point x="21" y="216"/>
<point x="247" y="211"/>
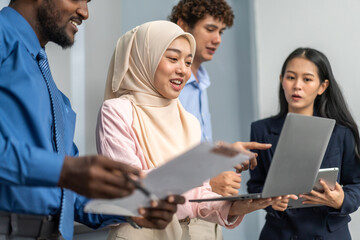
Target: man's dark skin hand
<point x="160" y="214"/>
<point x="97" y="177"/>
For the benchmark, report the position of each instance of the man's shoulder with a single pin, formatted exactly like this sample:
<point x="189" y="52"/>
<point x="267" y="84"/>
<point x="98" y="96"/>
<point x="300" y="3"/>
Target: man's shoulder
<point x="3" y="25"/>
<point x="7" y="32"/>
<point x="4" y="21"/>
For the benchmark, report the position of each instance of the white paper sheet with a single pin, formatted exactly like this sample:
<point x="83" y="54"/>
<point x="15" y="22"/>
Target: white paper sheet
<point x="177" y="176"/>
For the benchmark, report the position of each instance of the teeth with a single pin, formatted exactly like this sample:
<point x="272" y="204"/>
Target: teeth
<point x="74" y="23"/>
<point x="177" y="82"/>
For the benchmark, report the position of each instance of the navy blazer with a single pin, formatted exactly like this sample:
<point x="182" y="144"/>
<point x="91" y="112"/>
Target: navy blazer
<point x="313" y="222"/>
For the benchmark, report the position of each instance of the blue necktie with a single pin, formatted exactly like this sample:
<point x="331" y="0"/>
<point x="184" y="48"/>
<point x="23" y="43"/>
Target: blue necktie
<point x="66" y="224"/>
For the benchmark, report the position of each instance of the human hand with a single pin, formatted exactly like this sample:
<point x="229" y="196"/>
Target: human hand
<point x="245" y="146"/>
<point x="160" y="214"/>
<point x="98" y="177"/>
<point x="282" y="203"/>
<point x="226" y="183"/>
<point x="332" y="198"/>
<point x="242" y="207"/>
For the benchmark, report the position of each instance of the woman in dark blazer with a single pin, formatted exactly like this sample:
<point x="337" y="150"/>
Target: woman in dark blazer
<point x="307" y="86"/>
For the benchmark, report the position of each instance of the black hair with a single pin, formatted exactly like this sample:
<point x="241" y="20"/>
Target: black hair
<point x="330" y="104"/>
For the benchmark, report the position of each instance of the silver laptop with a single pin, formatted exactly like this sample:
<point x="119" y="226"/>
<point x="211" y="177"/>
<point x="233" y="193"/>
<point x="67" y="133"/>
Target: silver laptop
<point x="297" y="159"/>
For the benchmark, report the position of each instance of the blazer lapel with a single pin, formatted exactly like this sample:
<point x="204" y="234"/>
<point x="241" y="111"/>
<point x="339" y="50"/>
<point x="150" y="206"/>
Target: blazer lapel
<point x="275" y="130"/>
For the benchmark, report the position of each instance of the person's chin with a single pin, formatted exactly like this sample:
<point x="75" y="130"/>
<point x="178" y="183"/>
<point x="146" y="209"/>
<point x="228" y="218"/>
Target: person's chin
<point x="68" y="43"/>
<point x="208" y="57"/>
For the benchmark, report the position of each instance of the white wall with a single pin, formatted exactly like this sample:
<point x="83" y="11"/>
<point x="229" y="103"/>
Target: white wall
<point x="238" y="91"/>
<point x="331" y="26"/>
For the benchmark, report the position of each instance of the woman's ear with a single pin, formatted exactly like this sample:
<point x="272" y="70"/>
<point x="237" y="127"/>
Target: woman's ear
<point x="323" y="87"/>
<point x="184" y="26"/>
<point x="281" y="78"/>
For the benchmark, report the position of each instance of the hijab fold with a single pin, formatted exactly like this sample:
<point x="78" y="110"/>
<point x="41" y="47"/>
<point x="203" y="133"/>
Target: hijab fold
<point x="163" y="128"/>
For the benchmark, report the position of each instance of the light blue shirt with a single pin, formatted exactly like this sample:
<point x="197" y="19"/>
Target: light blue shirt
<point x="195" y="100"/>
<point x="29" y="165"/>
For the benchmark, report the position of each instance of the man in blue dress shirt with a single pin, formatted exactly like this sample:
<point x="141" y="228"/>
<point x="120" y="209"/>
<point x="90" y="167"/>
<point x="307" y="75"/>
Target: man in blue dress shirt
<point x="33" y="172"/>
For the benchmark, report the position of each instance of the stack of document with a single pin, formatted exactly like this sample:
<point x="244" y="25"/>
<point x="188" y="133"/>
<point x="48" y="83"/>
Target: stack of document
<point x="177" y="176"/>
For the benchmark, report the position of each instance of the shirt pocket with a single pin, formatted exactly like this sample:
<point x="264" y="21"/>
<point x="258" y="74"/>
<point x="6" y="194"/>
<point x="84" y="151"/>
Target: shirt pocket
<point x="335" y="222"/>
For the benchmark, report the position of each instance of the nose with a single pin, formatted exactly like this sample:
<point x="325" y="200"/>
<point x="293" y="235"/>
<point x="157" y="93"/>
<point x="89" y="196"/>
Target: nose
<point x="297" y="84"/>
<point x="181" y="68"/>
<point x="217" y="38"/>
<point x="83" y="10"/>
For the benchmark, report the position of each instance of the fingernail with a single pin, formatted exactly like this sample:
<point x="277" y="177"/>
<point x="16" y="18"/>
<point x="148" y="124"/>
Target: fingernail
<point x="154" y="203"/>
<point x="133" y="177"/>
<point x="142" y="211"/>
<point x="171" y="199"/>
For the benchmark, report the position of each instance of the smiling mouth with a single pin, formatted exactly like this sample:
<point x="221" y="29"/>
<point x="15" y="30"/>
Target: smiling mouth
<point x="73" y="23"/>
<point x="176" y="81"/>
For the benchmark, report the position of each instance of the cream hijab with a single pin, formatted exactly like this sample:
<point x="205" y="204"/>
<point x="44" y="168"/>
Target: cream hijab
<point x="163" y="128"/>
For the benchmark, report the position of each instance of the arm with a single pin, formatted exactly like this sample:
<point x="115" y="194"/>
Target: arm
<point x="216" y="212"/>
<point x="350" y="176"/>
<point x="24" y="165"/>
<point x="343" y="199"/>
<point x="116" y="139"/>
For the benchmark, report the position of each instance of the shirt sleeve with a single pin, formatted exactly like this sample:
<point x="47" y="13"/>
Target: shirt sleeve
<point x="350" y="176"/>
<point x="212" y="211"/>
<point x="114" y="136"/>
<point x="22" y="164"/>
<point x="94" y="221"/>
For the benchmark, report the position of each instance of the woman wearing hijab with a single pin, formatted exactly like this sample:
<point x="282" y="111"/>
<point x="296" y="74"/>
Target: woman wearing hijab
<point x="143" y="123"/>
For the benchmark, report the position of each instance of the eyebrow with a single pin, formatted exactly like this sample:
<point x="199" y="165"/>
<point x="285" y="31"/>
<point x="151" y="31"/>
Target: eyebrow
<point x="177" y="51"/>
<point x="303" y="74"/>
<point x="215" y="26"/>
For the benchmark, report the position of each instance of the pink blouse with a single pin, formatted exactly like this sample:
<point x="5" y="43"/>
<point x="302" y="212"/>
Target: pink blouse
<point x="116" y="139"/>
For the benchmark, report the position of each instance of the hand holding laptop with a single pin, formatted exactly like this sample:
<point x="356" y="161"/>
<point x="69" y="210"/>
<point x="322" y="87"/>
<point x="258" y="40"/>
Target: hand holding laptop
<point x="242" y="207"/>
<point x="282" y="204"/>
